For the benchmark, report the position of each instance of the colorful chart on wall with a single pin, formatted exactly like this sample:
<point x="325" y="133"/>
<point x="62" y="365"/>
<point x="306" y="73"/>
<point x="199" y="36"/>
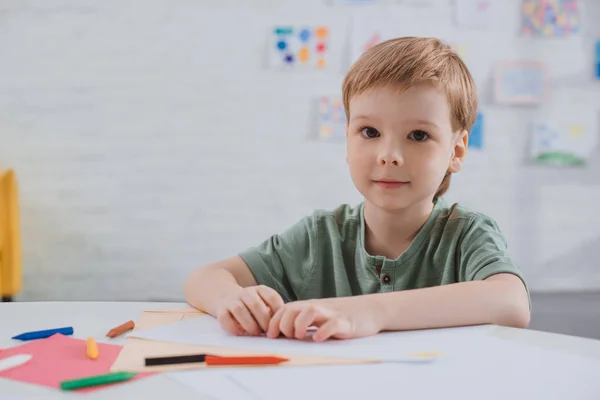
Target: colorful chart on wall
<point x="597" y="60"/>
<point x="521" y="83"/>
<point x="551" y="17"/>
<point x="331" y="119"/>
<point x="476" y="134"/>
<point x="564" y="138"/>
<point x="299" y="47"/>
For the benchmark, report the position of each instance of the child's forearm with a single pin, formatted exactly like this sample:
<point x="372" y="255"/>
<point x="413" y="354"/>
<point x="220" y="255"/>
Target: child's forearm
<point x="499" y="300"/>
<point x="207" y="288"/>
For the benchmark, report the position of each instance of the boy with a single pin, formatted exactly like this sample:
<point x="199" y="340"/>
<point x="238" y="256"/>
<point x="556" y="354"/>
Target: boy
<point x="402" y="259"/>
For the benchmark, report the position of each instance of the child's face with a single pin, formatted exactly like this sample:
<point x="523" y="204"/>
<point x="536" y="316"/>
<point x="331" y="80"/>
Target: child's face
<point x="401" y="144"/>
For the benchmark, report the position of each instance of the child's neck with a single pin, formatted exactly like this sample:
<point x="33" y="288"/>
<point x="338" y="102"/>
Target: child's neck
<point x="389" y="234"/>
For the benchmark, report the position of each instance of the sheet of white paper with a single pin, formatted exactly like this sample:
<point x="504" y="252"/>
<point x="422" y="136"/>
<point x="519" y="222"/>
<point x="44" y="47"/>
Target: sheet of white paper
<point x="574" y="132"/>
<point x="215" y="383"/>
<point x="475" y="13"/>
<point x="353" y="2"/>
<point x="390" y="346"/>
<point x="493" y="368"/>
<point x="369" y="29"/>
<point x="423" y="3"/>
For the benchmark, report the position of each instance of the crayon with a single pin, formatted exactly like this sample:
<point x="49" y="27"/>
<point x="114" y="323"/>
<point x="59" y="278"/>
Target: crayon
<point x="44" y="334"/>
<point x="96" y="380"/>
<point x="121" y="329"/>
<point x="92" y="348"/>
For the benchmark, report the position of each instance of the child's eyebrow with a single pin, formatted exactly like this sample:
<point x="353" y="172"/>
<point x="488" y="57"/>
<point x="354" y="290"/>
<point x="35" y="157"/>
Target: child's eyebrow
<point x="360" y="116"/>
<point x="423" y="122"/>
<point x="418" y="121"/>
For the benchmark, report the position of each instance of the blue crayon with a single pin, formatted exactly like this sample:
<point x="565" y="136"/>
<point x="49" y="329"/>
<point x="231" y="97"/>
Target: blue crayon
<point x="44" y="334"/>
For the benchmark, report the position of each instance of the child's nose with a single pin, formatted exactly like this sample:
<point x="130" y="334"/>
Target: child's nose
<point x="390" y="158"/>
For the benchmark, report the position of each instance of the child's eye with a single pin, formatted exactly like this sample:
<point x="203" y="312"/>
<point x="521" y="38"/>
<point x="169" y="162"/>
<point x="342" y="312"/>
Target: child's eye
<point x="419" y="136"/>
<point x="369" y="132"/>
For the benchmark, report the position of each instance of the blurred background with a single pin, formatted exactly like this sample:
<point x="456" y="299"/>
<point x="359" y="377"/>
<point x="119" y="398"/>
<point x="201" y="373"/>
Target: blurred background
<point x="142" y="139"/>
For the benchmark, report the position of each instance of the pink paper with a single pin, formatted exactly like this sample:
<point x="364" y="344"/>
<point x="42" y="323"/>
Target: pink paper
<point x="59" y="358"/>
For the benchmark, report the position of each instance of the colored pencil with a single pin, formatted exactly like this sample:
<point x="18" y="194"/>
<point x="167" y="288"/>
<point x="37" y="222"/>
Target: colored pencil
<point x="243" y="360"/>
<point x="121" y="329"/>
<point x="67" y="330"/>
<point x="190" y="358"/>
<point x="96" y="380"/>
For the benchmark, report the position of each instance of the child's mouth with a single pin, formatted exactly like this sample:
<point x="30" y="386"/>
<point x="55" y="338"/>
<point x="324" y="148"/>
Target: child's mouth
<point x="390" y="184"/>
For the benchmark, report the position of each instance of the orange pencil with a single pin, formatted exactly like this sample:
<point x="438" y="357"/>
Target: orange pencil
<point x="92" y="348"/>
<point x="121" y="329"/>
<point x="243" y="360"/>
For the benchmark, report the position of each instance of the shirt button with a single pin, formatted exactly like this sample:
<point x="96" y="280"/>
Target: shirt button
<point x="387" y="278"/>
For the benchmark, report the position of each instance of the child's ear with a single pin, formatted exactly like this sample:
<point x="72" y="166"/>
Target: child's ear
<point x="459" y="152"/>
<point x="346" y="143"/>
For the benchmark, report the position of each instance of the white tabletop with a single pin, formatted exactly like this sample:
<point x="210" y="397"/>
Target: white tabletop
<point x="96" y="318"/>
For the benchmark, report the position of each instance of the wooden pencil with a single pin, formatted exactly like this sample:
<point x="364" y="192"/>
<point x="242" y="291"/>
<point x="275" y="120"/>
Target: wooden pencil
<point x="243" y="360"/>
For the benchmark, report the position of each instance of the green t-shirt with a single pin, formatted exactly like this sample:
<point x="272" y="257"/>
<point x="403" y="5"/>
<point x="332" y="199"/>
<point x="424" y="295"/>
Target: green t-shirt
<point x="323" y="255"/>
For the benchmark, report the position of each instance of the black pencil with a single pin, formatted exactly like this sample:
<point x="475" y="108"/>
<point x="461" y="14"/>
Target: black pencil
<point x="191" y="358"/>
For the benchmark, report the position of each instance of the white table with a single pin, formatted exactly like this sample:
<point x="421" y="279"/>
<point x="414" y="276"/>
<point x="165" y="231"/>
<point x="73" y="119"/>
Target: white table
<point x="96" y="318"/>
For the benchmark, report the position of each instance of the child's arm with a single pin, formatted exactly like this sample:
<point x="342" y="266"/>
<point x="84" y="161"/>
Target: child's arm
<point x="227" y="290"/>
<point x="500" y="299"/>
<point x="245" y="291"/>
<point x="207" y="287"/>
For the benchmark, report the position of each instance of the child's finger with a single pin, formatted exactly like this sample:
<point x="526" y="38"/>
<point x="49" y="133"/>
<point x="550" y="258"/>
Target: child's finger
<point x="331" y="328"/>
<point x="259" y="310"/>
<point x="307" y="317"/>
<point x="243" y="316"/>
<point x="273" y="330"/>
<point x="230" y="324"/>
<point x="271" y="298"/>
<point x="286" y="326"/>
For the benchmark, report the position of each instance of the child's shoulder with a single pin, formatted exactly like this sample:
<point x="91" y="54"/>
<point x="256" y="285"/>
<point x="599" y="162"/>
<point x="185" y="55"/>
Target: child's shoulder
<point x="456" y="216"/>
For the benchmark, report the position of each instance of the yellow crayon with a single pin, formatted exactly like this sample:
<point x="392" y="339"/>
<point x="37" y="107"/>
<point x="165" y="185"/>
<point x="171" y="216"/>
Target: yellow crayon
<point x="92" y="348"/>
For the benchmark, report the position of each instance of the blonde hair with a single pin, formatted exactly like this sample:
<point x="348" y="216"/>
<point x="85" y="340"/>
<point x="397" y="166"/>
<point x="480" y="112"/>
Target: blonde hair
<point x="406" y="61"/>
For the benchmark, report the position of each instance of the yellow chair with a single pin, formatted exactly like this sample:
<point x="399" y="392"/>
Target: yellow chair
<point x="10" y="237"/>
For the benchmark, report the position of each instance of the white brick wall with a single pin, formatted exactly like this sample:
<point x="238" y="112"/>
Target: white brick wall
<point x="149" y="139"/>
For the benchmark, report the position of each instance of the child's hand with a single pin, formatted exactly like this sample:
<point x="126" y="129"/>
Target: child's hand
<point x="341" y="318"/>
<point x="249" y="310"/>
